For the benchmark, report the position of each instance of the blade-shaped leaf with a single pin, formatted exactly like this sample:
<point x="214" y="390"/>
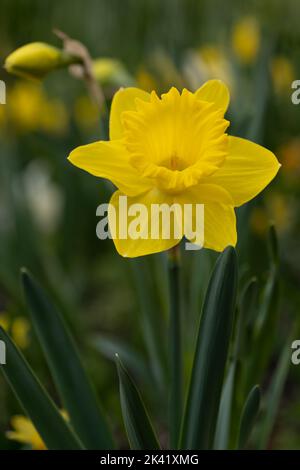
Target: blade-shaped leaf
<point x="153" y="325"/>
<point x="249" y="414"/>
<point x="211" y="355"/>
<point x="246" y="317"/>
<point x="273" y="245"/>
<point x="37" y="404"/>
<point x="138" y="427"/>
<point x="224" y="415"/>
<point x="68" y="373"/>
<point x="109" y="346"/>
<point x="274" y="396"/>
<point x="265" y="328"/>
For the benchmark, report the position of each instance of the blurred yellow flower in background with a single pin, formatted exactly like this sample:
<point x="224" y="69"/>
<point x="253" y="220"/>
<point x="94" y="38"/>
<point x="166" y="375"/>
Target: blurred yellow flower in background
<point x="20" y="332"/>
<point x="206" y="63"/>
<point x="280" y="211"/>
<point x="246" y="39"/>
<point x="4" y="320"/>
<point x="86" y="113"/>
<point x="111" y="72"/>
<point x="277" y="209"/>
<point x="25" y="432"/>
<point x="37" y="59"/>
<point x="174" y="149"/>
<point x="18" y="327"/>
<point x="24" y="104"/>
<point x="259" y="221"/>
<point x="54" y="118"/>
<point x="30" y="109"/>
<point x="283" y="74"/>
<point x="161" y="66"/>
<point x="145" y="80"/>
<point x="290" y="157"/>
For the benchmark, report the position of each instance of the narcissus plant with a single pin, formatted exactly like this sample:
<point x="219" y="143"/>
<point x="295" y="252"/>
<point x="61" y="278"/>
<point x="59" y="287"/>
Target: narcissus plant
<point x="175" y="149"/>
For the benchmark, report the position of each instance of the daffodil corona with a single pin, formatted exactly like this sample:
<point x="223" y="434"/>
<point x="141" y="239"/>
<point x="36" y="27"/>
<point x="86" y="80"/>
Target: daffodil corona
<point x="174" y="149"/>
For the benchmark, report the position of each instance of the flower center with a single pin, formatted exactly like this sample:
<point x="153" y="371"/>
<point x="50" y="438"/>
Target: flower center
<point x="176" y="139"/>
<point x="175" y="163"/>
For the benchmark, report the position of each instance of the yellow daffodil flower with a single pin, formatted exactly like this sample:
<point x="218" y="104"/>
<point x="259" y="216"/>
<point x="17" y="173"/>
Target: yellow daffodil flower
<point x="174" y="149"/>
<point x="25" y="432"/>
<point x="30" y="109"/>
<point x="246" y="39"/>
<point x="290" y="158"/>
<point x="86" y="113"/>
<point x="4" y="320"/>
<point x="18" y="327"/>
<point x="35" y="60"/>
<point x="283" y="74"/>
<point x="108" y="71"/>
<point x="20" y="332"/>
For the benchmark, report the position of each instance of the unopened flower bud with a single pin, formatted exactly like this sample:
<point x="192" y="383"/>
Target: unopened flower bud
<point x="37" y="59"/>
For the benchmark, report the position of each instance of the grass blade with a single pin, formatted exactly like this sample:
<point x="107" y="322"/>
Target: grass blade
<point x="211" y="355"/>
<point x="139" y="429"/>
<point x="37" y="404"/>
<point x="66" y="368"/>
<point x="249" y="415"/>
<point x="274" y="396"/>
<point x="225" y="409"/>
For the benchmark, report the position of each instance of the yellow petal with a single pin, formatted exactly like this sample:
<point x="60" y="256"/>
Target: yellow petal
<point x="206" y="193"/>
<point x="110" y="160"/>
<point x="25" y="432"/>
<point x="219" y="226"/>
<point x="219" y="221"/>
<point x="146" y="243"/>
<point x="123" y="100"/>
<point x="247" y="170"/>
<point x="214" y="91"/>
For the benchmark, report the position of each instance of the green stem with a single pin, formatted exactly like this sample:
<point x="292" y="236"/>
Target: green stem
<point x="175" y="348"/>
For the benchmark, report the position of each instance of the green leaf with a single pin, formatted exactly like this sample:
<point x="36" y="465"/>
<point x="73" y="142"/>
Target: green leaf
<point x="265" y="328"/>
<point x="242" y="344"/>
<point x="249" y="414"/>
<point x="273" y="245"/>
<point x="224" y="415"/>
<point x="66" y="368"/>
<point x="137" y="423"/>
<point x="37" y="404"/>
<point x="211" y="355"/>
<point x="246" y="318"/>
<point x="274" y="395"/>
<point x="152" y="320"/>
<point x="109" y="346"/>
